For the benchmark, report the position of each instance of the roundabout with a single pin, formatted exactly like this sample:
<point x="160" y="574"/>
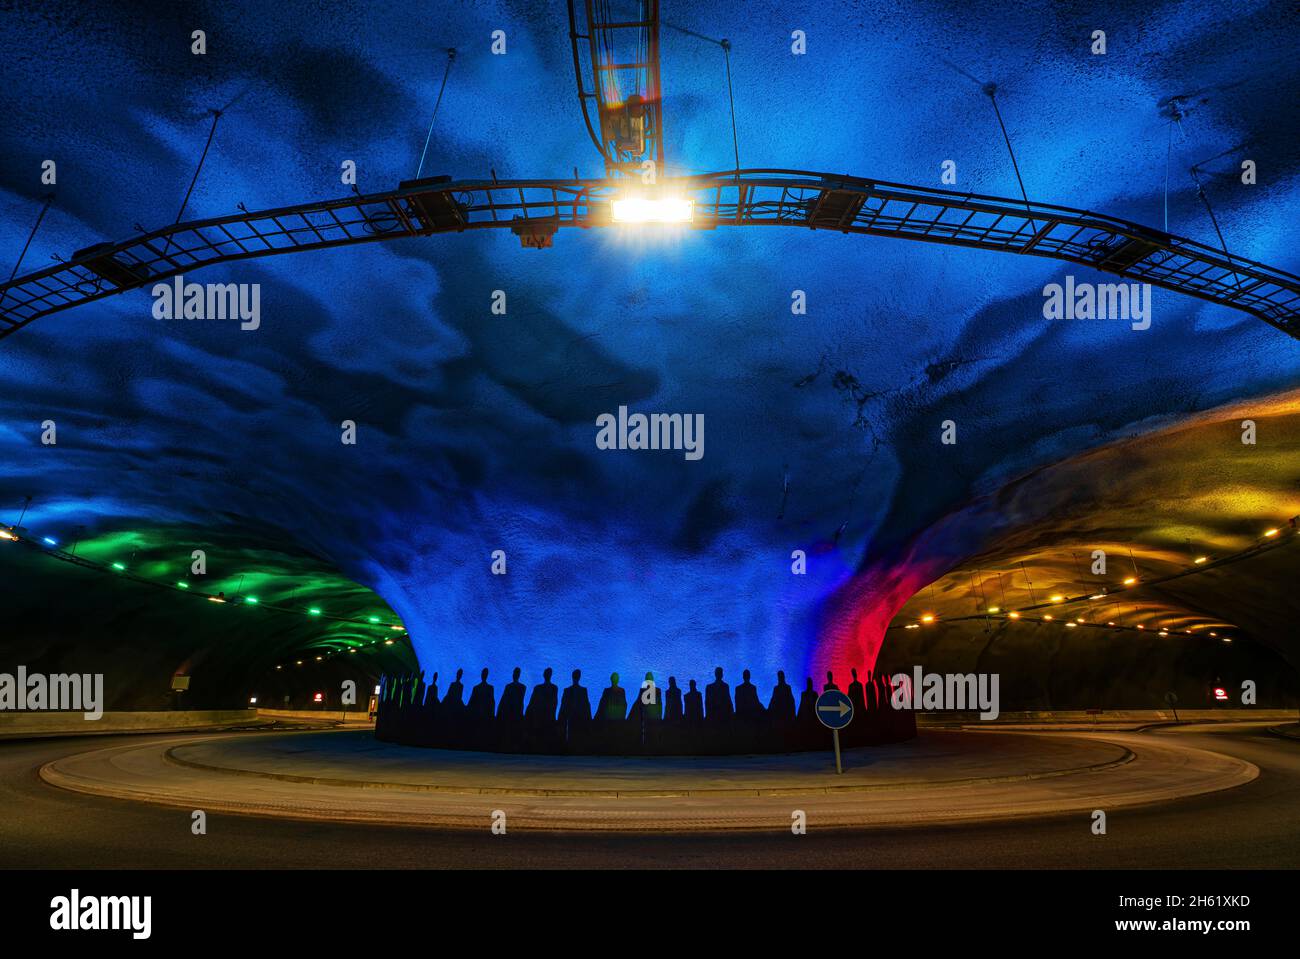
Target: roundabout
<point x="943" y="777"/>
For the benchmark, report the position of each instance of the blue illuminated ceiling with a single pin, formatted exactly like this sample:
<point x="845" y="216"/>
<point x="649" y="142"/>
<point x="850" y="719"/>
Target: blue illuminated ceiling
<point x="476" y="430"/>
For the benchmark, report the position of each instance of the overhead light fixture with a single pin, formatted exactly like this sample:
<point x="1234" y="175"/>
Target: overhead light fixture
<point x="251" y="600"/>
<point x="1202" y="559"/>
<point x="994" y="609"/>
<point x="1130" y="581"/>
<point x="1096" y="595"/>
<point x="1048" y="617"/>
<point x="314" y="611"/>
<point x="1271" y="532"/>
<point x="119" y="567"/>
<point x="1058" y="599"/>
<point x="5" y="534"/>
<point x="1013" y="615"/>
<point x="928" y="618"/>
<point x="640" y="209"/>
<point x="50" y="540"/>
<point x="181" y="584"/>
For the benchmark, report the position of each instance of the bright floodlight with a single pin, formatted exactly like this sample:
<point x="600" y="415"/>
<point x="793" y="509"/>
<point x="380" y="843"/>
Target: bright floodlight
<point x="638" y="209"/>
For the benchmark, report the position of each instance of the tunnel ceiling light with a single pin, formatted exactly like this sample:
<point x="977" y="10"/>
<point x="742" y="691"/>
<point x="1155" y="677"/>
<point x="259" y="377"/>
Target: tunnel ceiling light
<point x="1096" y="595"/>
<point x="374" y="619"/>
<point x="251" y="600"/>
<point x="50" y="540"/>
<point x="1130" y="581"/>
<point x="181" y="584"/>
<point x="1013" y="614"/>
<point x="1272" y="532"/>
<point x="995" y="609"/>
<point x="1071" y="625"/>
<point x="215" y="599"/>
<point x="314" y="611"/>
<point x="119" y="567"/>
<point x="927" y="618"/>
<point x="388" y="642"/>
<point x="1202" y="559"/>
<point x="912" y="626"/>
<point x="639" y="209"/>
<point x="1058" y="598"/>
<point x="1140" y="626"/>
<point x="1048" y="617"/>
<point x="5" y="534"/>
<point x="1227" y="639"/>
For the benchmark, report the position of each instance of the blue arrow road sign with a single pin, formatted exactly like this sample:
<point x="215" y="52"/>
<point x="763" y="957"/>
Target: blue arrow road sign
<point x="834" y="709"/>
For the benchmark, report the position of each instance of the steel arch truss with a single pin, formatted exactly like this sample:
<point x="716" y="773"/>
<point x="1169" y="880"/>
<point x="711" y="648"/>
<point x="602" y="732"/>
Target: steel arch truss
<point x="535" y="209"/>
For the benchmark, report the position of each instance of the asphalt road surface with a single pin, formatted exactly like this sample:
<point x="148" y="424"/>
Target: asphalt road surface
<point x="1253" y="826"/>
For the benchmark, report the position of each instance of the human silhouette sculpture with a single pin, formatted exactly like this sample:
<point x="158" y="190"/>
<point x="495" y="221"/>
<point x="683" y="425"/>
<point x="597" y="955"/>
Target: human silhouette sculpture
<point x="431" y="696"/>
<point x="748" y="706"/>
<point x="541" y="733"/>
<point x="454" y="701"/>
<point x="575" y="710"/>
<point x="808" y="702"/>
<point x="645" y="717"/>
<point x="482" y="699"/>
<point x="694" y="706"/>
<point x="511" y="707"/>
<point x="541" y="705"/>
<point x="780" y="708"/>
<point x="717" y="699"/>
<point x="613" y="702"/>
<point x="409" y="710"/>
<point x="672" y="701"/>
<point x="857" y="732"/>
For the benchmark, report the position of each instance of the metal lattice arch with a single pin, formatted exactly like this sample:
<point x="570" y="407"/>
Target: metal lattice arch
<point x="536" y="209"/>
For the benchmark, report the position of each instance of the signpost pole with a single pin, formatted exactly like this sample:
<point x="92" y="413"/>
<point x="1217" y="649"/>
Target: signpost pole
<point x="838" y="768"/>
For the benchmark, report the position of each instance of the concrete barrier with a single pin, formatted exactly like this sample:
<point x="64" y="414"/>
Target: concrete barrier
<point x="351" y="717"/>
<point x="24" y="725"/>
<point x="1090" y="717"/>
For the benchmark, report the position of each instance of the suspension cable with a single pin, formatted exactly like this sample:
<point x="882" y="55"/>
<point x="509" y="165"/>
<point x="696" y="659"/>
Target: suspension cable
<point x="451" y="55"/>
<point x="41" y="216"/>
<point x="216" y="115"/>
<point x="991" y="89"/>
